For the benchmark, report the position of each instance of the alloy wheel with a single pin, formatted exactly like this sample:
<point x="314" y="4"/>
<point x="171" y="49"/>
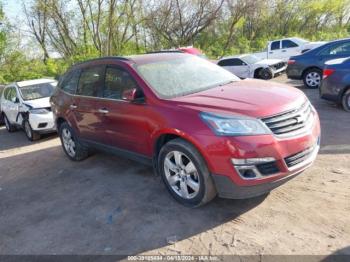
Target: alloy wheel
<point x="68" y="142"/>
<point x="181" y="174"/>
<point x="313" y="79"/>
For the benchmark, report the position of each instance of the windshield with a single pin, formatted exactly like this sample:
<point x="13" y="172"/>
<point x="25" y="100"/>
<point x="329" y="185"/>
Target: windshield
<point x="37" y="91"/>
<point x="183" y="76"/>
<point x="251" y="59"/>
<point x="302" y="40"/>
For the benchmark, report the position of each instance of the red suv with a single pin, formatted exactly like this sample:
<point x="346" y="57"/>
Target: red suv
<point x="205" y="131"/>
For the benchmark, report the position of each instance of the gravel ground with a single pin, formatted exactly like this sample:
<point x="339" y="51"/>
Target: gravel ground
<point x="109" y="205"/>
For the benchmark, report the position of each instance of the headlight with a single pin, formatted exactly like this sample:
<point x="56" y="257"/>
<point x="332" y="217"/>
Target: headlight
<point x="225" y="125"/>
<point x="39" y="111"/>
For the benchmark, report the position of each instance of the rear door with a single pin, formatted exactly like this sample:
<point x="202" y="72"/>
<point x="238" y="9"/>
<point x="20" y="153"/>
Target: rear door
<point x="83" y="104"/>
<point x="289" y="48"/>
<point x="275" y="50"/>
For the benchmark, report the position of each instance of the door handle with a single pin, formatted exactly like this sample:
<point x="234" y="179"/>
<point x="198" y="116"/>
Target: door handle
<point x="270" y="52"/>
<point x="103" y="111"/>
<point x="73" y="106"/>
<point x="284" y="50"/>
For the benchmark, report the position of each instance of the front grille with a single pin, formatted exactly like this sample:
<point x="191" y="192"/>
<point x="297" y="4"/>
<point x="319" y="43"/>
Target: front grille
<point x="267" y="169"/>
<point x="299" y="157"/>
<point x="296" y="120"/>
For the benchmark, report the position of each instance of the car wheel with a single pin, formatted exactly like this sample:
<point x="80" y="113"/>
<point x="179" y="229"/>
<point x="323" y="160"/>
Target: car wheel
<point x="31" y="135"/>
<point x="185" y="173"/>
<point x="9" y="127"/>
<point x="266" y="74"/>
<point x="312" y="78"/>
<point x="346" y="101"/>
<point x="71" y="146"/>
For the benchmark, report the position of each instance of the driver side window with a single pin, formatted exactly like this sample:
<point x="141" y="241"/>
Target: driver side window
<point x="117" y="81"/>
<point x="11" y="94"/>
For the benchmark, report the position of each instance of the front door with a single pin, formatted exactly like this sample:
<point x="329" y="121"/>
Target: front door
<point x="11" y="107"/>
<point x="122" y="124"/>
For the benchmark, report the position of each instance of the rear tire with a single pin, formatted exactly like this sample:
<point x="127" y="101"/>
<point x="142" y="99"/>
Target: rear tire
<point x="312" y="78"/>
<point x="9" y="127"/>
<point x="71" y="145"/>
<point x="30" y="133"/>
<point x="185" y="173"/>
<point x="346" y="100"/>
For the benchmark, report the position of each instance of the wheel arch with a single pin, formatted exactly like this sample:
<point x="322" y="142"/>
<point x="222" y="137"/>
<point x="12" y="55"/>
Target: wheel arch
<point x="59" y="122"/>
<point x="164" y="136"/>
<point x="257" y="71"/>
<point x="309" y="68"/>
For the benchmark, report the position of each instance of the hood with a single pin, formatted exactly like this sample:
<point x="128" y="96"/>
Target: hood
<point x="250" y="97"/>
<point x="38" y="103"/>
<point x="269" y="62"/>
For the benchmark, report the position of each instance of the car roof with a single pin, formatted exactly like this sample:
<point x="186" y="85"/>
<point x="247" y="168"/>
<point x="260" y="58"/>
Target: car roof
<point x="34" y="82"/>
<point x="137" y="59"/>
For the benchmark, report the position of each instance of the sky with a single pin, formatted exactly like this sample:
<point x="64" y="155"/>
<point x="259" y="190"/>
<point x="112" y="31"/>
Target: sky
<point x="12" y="8"/>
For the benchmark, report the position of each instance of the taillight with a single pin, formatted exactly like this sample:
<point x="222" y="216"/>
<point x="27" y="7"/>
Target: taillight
<point x="327" y="72"/>
<point x="291" y="62"/>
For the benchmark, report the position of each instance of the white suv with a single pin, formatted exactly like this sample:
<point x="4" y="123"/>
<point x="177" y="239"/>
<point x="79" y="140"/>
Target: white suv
<point x="26" y="105"/>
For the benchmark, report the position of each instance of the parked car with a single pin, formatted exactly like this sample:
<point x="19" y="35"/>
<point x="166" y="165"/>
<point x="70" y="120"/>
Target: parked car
<point x="204" y="130"/>
<point x="287" y="47"/>
<point x="26" y="105"/>
<point x="250" y="66"/>
<point x="1" y="117"/>
<point x="336" y="82"/>
<point x="309" y="65"/>
<point x="192" y="50"/>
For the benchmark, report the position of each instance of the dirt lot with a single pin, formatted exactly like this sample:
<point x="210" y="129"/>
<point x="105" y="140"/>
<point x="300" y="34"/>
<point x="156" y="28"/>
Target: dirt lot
<point x="109" y="205"/>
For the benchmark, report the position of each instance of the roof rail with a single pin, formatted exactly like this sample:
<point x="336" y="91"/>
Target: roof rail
<point x="102" y="58"/>
<point x="164" y="51"/>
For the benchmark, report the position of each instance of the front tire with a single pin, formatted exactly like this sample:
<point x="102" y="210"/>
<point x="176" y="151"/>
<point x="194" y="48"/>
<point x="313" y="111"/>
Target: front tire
<point x="9" y="127"/>
<point x="346" y="100"/>
<point x="312" y="78"/>
<point x="185" y="173"/>
<point x="265" y="74"/>
<point x="31" y="135"/>
<point x="71" y="145"/>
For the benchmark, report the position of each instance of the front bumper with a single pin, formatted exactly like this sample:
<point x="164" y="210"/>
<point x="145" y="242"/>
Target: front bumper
<point x="220" y="151"/>
<point x="227" y="189"/>
<point x="42" y="123"/>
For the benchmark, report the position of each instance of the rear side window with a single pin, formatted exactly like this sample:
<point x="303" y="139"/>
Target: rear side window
<point x="231" y="62"/>
<point x="288" y="44"/>
<point x="275" y="45"/>
<point x="90" y="81"/>
<point x="116" y="81"/>
<point x="69" y="84"/>
<point x="338" y="49"/>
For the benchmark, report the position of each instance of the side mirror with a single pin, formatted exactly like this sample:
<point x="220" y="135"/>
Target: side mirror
<point x="133" y="95"/>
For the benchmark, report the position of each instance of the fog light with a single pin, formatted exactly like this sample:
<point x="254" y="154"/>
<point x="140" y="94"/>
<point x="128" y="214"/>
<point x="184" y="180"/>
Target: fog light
<point x="248" y="168"/>
<point x="251" y="161"/>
